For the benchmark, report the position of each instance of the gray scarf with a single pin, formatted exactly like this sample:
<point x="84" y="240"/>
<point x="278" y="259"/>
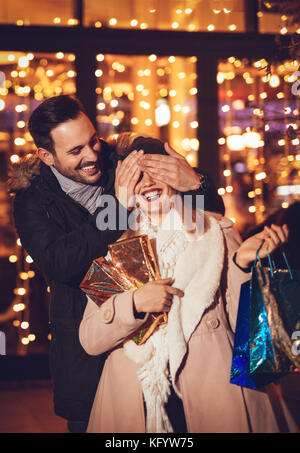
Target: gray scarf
<point x="85" y="194"/>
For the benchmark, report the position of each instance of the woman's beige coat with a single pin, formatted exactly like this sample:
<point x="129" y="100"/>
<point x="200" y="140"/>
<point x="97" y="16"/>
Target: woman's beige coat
<point x="211" y="403"/>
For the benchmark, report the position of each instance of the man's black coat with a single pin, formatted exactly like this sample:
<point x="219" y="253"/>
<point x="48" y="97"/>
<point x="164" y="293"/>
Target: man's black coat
<point x="62" y="238"/>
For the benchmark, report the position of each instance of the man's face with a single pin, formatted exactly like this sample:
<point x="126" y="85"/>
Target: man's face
<point x="77" y="150"/>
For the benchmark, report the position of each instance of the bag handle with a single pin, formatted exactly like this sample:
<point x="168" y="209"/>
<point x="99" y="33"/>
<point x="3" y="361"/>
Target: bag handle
<point x="257" y="253"/>
<point x="286" y="262"/>
<point x="271" y="261"/>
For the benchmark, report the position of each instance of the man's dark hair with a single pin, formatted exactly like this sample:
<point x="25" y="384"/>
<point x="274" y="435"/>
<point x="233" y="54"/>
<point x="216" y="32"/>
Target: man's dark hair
<point x="50" y="114"/>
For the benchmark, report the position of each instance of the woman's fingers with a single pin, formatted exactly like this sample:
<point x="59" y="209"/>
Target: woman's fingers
<point x="175" y="291"/>
<point x="286" y="231"/>
<point x="280" y="232"/>
<point x="129" y="165"/>
<point x="134" y="177"/>
<point x="127" y="168"/>
<point x="170" y="291"/>
<point x="127" y="175"/>
<point x="156" y="296"/>
<point x="275" y="236"/>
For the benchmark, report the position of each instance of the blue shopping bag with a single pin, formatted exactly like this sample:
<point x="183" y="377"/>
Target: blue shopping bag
<point x="240" y="367"/>
<point x="268" y="318"/>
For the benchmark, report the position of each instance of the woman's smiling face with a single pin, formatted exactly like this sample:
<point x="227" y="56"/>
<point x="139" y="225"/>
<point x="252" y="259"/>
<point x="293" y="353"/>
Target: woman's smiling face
<point x="153" y="197"/>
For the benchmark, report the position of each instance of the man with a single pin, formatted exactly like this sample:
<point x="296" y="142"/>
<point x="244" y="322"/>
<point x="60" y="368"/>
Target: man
<point x="55" y="210"/>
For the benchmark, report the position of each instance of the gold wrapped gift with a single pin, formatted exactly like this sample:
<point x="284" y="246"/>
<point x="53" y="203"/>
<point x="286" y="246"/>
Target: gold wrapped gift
<point x="132" y="264"/>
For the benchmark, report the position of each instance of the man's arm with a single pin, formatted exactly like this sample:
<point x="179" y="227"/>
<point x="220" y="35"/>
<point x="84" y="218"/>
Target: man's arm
<point x="61" y="256"/>
<point x="212" y="200"/>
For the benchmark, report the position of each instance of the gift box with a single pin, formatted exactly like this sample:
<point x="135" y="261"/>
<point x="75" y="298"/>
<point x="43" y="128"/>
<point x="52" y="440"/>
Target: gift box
<point x="132" y="263"/>
<point x="134" y="258"/>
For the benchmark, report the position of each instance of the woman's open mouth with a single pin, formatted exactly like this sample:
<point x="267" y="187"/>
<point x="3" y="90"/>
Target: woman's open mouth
<point x="152" y="195"/>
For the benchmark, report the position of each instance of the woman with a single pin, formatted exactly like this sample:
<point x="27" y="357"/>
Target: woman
<point x="178" y="380"/>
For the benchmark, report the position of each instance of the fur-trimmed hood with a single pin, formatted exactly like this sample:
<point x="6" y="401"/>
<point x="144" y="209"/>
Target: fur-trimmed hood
<point x="23" y="172"/>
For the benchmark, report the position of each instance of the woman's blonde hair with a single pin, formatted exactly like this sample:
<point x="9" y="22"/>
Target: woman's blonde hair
<point x="122" y="142"/>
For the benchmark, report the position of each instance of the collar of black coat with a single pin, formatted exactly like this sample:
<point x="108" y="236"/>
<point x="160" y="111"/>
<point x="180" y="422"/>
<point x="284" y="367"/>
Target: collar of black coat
<point x="30" y="167"/>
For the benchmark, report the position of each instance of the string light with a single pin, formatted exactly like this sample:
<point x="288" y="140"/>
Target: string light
<point x="31" y="74"/>
<point x="253" y="139"/>
<point x="18" y="307"/>
<point x="23" y="62"/>
<point x="260" y="176"/>
<point x="13" y="258"/>
<point x="274" y="81"/>
<point x="133" y="22"/>
<point x="14" y="158"/>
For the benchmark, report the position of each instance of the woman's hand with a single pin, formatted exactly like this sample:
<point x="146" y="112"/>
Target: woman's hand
<point x="155" y="296"/>
<point x="273" y="237"/>
<point x="127" y="176"/>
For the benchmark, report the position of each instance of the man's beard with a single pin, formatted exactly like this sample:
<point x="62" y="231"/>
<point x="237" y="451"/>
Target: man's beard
<point x="77" y="174"/>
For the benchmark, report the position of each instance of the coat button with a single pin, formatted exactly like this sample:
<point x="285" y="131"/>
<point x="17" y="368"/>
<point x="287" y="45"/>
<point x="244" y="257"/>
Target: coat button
<point x="213" y="323"/>
<point x="107" y="315"/>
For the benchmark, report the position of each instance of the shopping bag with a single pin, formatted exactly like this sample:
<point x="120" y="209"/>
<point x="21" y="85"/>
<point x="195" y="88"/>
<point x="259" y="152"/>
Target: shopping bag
<point x="280" y="292"/>
<point x="240" y="367"/>
<point x="266" y="343"/>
